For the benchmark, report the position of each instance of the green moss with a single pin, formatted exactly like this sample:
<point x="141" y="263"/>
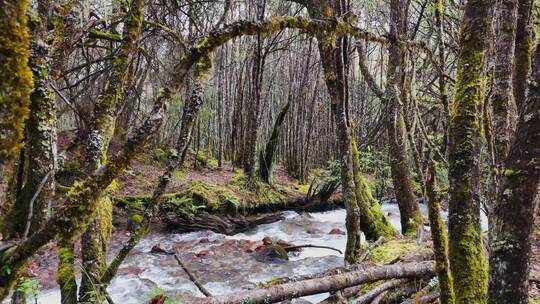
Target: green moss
<point x="304" y="188"/>
<point x="393" y="249"/>
<point x="66" y="269"/>
<point x="15" y="77"/>
<point x="160" y="155"/>
<point x="96" y="34"/>
<point x="205" y="158"/>
<point x="137" y="218"/>
<point x="509" y="172"/>
<point x="212" y="197"/>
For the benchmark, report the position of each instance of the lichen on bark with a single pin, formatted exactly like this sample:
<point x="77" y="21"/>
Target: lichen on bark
<point x="467" y="258"/>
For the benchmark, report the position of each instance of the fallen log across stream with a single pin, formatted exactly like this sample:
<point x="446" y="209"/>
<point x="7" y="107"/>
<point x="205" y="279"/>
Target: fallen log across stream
<point x="329" y="283"/>
<point x="221" y="223"/>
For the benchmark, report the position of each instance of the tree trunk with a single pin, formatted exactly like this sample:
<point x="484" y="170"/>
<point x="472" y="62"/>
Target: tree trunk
<point x="373" y="222"/>
<point x="94" y="241"/>
<point x="438" y="237"/>
<point x="502" y="97"/>
<point x="32" y="204"/>
<point x="266" y="161"/>
<point x="523" y="49"/>
<point x="65" y="275"/>
<point x="515" y="208"/>
<point x="257" y="73"/>
<point x="395" y="126"/>
<point x="15" y="79"/>
<point x="467" y="259"/>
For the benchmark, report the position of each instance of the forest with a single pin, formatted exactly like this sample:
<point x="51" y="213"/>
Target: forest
<point x="269" y="151"/>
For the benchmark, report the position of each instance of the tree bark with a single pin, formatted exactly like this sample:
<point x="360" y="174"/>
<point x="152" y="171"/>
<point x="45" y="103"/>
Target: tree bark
<point x="438" y="237"/>
<point x="502" y="97"/>
<point x="15" y="79"/>
<point x="467" y="259"/>
<point x="523" y="48"/>
<point x="94" y="241"/>
<point x="373" y="222"/>
<point x="395" y="126"/>
<point x="266" y="162"/>
<point x="515" y="208"/>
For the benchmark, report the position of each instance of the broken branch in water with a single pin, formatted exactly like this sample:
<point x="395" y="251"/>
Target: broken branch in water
<point x="293" y="248"/>
<point x="192" y="277"/>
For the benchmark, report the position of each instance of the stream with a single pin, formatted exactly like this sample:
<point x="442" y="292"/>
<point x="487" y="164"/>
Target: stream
<point x="227" y="264"/>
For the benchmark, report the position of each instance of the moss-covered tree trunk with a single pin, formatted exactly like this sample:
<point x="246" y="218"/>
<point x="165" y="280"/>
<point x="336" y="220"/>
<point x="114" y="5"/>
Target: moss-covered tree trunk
<point x="438" y="237"/>
<point x="400" y="165"/>
<point x="515" y="209"/>
<point x="94" y="241"/>
<point x="266" y="160"/>
<point x="373" y="222"/>
<point x="331" y="50"/>
<point x="15" y="79"/>
<point x="467" y="259"/>
<point x="32" y="204"/>
<point x="65" y="274"/>
<point x="253" y="117"/>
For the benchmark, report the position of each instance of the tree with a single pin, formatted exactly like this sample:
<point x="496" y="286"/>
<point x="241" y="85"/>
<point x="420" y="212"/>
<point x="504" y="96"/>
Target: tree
<point x="515" y="208"/>
<point x="410" y="215"/>
<point x="16" y="78"/>
<point x="467" y="259"/>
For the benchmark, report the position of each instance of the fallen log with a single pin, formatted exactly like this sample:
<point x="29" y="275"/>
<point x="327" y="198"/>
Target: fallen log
<point x="221" y="223"/>
<point x="335" y="282"/>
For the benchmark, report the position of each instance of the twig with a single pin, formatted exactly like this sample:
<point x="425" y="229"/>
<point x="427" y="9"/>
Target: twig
<point x="31" y="205"/>
<point x="310" y="246"/>
<point x="370" y="248"/>
<point x="193" y="278"/>
<point x="375" y="292"/>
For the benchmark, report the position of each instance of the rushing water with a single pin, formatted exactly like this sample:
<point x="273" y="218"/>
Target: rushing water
<point x="224" y="263"/>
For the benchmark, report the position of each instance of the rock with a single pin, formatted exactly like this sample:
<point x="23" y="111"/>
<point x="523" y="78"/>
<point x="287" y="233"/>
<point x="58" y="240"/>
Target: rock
<point x="202" y="253"/>
<point x="204" y="241"/>
<point x="156" y="249"/>
<point x="337" y="231"/>
<point x="313" y="231"/>
<point x="271" y="253"/>
<point x="250" y="246"/>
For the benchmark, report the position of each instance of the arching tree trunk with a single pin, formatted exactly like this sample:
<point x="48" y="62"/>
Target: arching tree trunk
<point x="467" y="259"/>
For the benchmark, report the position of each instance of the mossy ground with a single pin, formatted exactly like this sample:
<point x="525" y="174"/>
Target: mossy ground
<point x="393" y="249"/>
